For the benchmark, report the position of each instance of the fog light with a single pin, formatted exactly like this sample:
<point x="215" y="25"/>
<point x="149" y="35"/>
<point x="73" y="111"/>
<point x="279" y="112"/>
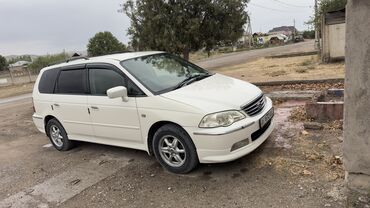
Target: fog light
<point x="239" y="145"/>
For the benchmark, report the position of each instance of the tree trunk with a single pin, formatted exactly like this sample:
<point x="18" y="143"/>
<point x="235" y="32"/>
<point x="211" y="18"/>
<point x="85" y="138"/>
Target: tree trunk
<point x="185" y="53"/>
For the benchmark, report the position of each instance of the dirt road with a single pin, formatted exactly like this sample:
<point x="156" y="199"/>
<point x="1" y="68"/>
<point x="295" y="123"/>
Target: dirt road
<point x="289" y="170"/>
<point x="246" y="56"/>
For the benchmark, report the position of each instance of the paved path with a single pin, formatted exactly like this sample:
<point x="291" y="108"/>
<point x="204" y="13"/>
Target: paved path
<point x="246" y="56"/>
<point x="67" y="184"/>
<point x="15" y="98"/>
<point x="292" y="95"/>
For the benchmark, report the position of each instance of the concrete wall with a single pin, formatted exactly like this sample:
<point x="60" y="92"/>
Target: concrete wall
<point x="357" y="96"/>
<point x="337" y="40"/>
<point x="333" y="42"/>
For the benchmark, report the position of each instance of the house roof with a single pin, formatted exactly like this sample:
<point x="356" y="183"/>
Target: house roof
<point x="283" y="28"/>
<point x="335" y="17"/>
<point x="19" y="63"/>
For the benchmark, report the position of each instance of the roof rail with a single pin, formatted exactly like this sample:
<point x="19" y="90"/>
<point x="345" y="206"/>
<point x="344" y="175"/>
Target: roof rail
<point x="118" y="52"/>
<point x="76" y="58"/>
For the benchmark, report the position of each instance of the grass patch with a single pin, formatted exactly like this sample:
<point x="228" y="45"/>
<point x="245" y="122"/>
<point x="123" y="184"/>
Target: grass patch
<point x="306" y="63"/>
<point x="284" y="69"/>
<point x="277" y="73"/>
<point x="14" y="90"/>
<point x="311" y="67"/>
<point x="301" y="70"/>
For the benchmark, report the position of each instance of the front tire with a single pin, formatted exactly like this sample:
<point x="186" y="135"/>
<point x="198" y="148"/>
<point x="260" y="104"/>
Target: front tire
<point x="174" y="149"/>
<point x="58" y="136"/>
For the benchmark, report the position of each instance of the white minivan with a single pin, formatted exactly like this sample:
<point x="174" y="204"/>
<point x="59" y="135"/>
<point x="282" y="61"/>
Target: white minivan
<point x="152" y="101"/>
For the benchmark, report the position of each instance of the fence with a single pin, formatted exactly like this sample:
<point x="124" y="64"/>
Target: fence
<point x="9" y="77"/>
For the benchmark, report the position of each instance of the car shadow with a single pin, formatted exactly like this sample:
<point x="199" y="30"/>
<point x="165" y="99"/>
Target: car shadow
<point x="204" y="171"/>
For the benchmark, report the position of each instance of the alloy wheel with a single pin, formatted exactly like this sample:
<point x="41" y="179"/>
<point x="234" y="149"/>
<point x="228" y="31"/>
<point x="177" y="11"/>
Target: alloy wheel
<point x="172" y="151"/>
<point x="56" y="136"/>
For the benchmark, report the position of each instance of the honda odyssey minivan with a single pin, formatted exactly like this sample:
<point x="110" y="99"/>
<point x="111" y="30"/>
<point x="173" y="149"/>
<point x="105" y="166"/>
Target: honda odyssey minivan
<point x="152" y="101"/>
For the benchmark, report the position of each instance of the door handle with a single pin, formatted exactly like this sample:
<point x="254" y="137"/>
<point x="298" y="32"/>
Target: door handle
<point x="94" y="108"/>
<point x="56" y="105"/>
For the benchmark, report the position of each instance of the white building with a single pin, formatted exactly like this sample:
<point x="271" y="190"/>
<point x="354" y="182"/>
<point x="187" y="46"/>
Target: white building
<point x="333" y="36"/>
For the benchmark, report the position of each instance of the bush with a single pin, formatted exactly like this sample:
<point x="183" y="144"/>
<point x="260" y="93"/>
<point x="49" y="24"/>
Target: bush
<point x="309" y="34"/>
<point x="48" y="60"/>
<point x="3" y="63"/>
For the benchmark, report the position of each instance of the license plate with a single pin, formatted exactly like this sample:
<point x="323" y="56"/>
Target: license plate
<point x="266" y="118"/>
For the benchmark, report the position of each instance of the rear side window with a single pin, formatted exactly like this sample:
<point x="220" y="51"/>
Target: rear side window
<point x="47" y="81"/>
<point x="103" y="79"/>
<point x="72" y="82"/>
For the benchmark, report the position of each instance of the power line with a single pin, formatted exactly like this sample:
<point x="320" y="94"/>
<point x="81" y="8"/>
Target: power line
<point x="276" y="10"/>
<point x="292" y="5"/>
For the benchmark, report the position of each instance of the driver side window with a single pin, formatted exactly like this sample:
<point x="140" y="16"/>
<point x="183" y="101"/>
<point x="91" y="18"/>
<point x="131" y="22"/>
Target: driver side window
<point x="103" y="79"/>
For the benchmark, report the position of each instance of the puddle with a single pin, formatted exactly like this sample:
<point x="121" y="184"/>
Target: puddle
<point x="284" y="129"/>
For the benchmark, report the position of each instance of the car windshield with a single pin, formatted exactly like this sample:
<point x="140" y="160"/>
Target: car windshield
<point x="163" y="72"/>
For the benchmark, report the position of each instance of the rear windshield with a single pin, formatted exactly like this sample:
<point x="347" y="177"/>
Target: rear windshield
<point x="47" y="81"/>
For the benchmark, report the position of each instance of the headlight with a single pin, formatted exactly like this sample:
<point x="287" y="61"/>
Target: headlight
<point x="225" y="118"/>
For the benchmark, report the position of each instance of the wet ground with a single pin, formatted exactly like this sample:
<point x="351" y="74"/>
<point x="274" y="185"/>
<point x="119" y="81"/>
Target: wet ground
<point x="293" y="168"/>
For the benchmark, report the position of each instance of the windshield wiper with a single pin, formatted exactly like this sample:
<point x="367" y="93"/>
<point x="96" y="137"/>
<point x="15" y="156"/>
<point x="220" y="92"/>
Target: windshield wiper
<point x="190" y="79"/>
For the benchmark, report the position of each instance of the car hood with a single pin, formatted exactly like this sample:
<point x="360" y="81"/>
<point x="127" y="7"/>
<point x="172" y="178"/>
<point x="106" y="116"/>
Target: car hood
<point x="215" y="93"/>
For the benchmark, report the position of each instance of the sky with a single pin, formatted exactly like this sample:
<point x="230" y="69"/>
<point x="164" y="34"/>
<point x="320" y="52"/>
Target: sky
<point x="267" y="14"/>
<point x="41" y="27"/>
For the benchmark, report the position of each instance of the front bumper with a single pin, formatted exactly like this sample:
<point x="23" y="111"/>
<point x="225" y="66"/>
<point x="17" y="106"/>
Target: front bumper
<point x="215" y="145"/>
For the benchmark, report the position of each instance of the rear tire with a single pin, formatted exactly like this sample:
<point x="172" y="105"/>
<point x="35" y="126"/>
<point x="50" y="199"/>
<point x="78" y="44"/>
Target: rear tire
<point x="58" y="136"/>
<point x="174" y="149"/>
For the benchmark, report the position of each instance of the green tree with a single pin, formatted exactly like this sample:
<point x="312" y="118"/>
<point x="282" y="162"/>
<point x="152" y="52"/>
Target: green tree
<point x="331" y="5"/>
<point x="44" y="61"/>
<point x="3" y="63"/>
<point x="104" y="43"/>
<point x="309" y="34"/>
<point x="180" y="27"/>
<point x="324" y="7"/>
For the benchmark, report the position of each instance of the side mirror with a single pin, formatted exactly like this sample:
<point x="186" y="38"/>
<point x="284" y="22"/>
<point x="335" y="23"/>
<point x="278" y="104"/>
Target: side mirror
<point x="117" y="92"/>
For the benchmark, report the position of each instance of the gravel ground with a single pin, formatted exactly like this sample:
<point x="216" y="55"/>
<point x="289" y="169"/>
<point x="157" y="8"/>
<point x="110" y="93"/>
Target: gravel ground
<point x="293" y="168"/>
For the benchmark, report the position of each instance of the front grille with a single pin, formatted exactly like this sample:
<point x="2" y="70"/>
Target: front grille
<point x="255" y="107"/>
<point x="259" y="132"/>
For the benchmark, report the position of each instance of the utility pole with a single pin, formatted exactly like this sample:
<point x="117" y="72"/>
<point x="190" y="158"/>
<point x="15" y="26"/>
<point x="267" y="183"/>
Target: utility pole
<point x="249" y="33"/>
<point x="317" y="38"/>
<point x="294" y="32"/>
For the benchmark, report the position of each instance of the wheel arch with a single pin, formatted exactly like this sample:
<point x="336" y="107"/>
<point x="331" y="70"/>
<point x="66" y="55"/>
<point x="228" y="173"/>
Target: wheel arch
<point x="46" y="120"/>
<point x="154" y="129"/>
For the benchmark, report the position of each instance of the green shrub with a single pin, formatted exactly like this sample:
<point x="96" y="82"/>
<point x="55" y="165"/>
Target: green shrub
<point x="48" y="60"/>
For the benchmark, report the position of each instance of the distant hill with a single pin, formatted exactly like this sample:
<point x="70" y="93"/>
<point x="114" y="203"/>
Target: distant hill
<point x="10" y="57"/>
<point x="70" y="53"/>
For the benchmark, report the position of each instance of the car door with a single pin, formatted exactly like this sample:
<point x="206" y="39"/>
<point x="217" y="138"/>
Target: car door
<point x="112" y="119"/>
<point x="70" y="102"/>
